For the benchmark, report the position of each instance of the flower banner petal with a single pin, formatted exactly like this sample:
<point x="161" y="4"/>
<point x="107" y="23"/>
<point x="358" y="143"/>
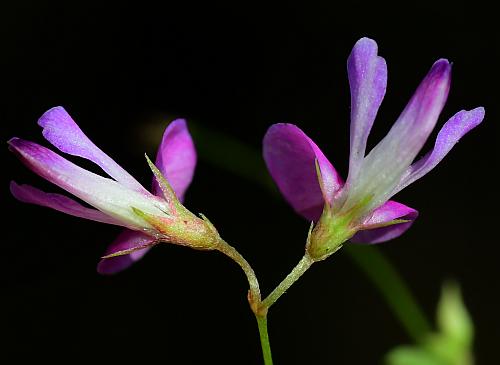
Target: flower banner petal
<point x="290" y="157"/>
<point x="368" y="81"/>
<point x="62" y="131"/>
<point x="176" y="158"/>
<point x="388" y="212"/>
<point x="32" y="195"/>
<point x="126" y="240"/>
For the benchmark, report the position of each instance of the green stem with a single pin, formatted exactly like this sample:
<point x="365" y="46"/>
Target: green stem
<point x="304" y="264"/>
<point x="396" y="293"/>
<point x="264" y="339"/>
<point x="253" y="283"/>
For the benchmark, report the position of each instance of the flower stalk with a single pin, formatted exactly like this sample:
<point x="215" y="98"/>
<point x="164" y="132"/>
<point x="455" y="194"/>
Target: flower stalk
<point x="264" y="339"/>
<point x="299" y="270"/>
<point x="254" y="296"/>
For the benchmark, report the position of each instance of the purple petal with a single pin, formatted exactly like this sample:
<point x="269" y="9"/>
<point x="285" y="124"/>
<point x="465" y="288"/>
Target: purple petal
<point x="368" y="81"/>
<point x="385" y="165"/>
<point x="454" y="129"/>
<point x="126" y="240"/>
<point x="105" y="194"/>
<point x="386" y="213"/>
<point x="176" y="158"/>
<point x="29" y="194"/>
<point x="60" y="130"/>
<point x="290" y="157"/>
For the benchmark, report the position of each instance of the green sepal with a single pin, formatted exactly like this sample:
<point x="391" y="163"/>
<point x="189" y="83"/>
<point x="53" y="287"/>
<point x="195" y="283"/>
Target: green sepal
<point x="209" y="224"/>
<point x="130" y="250"/>
<point x="321" y="185"/>
<point x="385" y="224"/>
<point x="152" y="220"/>
<point x="166" y="188"/>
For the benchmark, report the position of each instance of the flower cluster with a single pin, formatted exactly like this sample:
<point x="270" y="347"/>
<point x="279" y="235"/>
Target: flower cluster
<point x="358" y="209"/>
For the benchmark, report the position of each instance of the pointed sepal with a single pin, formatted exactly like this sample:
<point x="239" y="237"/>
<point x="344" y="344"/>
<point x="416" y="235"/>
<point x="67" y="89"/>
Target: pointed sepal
<point x="165" y="187"/>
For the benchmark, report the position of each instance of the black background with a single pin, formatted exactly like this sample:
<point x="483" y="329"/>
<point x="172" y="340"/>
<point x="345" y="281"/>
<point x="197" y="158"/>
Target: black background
<point x="237" y="68"/>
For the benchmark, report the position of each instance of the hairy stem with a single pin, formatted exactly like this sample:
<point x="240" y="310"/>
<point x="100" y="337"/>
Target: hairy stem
<point x="264" y="339"/>
<point x="304" y="264"/>
<point x="230" y="251"/>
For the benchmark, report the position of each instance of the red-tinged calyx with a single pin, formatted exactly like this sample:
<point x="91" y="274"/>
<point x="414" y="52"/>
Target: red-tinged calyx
<point x="184" y="229"/>
<point x="178" y="225"/>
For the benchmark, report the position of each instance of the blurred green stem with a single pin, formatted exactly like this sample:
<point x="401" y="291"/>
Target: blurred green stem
<point x="389" y="283"/>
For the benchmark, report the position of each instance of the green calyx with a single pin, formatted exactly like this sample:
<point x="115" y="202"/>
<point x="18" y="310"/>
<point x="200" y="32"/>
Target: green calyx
<point x="184" y="228"/>
<point x="328" y="235"/>
<point x="178" y="225"/>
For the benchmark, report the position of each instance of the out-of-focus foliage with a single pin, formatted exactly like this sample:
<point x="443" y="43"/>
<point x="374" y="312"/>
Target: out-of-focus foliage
<point x="451" y="344"/>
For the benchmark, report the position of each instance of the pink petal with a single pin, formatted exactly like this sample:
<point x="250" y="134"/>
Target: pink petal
<point x="454" y="129"/>
<point x="126" y="240"/>
<point x="176" y="158"/>
<point x="368" y="81"/>
<point x="105" y="194"/>
<point x="290" y="157"/>
<point x="385" y="165"/>
<point x="29" y="194"/>
<point x="60" y="130"/>
<point x="391" y="210"/>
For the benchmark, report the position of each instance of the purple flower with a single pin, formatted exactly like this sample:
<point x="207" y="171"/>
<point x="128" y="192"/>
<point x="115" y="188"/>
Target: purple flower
<point x="121" y="200"/>
<point x="360" y="209"/>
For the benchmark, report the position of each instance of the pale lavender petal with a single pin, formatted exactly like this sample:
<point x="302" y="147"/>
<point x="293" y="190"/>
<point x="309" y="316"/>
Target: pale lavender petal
<point x="388" y="212"/>
<point x="454" y="129"/>
<point x="290" y="157"/>
<point x="368" y="81"/>
<point x="176" y="158"/>
<point x="105" y="194"/>
<point x="385" y="165"/>
<point x="61" y="130"/>
<point x="126" y="240"/>
<point x="32" y="195"/>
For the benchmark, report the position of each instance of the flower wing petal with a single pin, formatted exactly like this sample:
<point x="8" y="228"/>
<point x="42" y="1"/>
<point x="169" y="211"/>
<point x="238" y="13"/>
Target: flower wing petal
<point x="105" y="194"/>
<point x="368" y="80"/>
<point x="454" y="129"/>
<point x="32" y="195"/>
<point x="62" y="132"/>
<point x="176" y="158"/>
<point x="385" y="165"/>
<point x="126" y="240"/>
<point x="373" y="230"/>
<point x="290" y="157"/>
